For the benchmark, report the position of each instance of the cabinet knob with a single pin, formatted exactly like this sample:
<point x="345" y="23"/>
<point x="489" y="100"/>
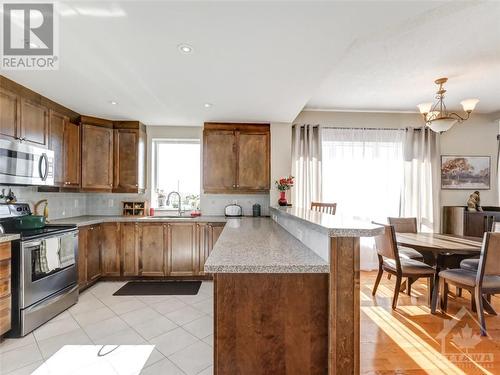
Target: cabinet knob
<point x="234" y="186"/>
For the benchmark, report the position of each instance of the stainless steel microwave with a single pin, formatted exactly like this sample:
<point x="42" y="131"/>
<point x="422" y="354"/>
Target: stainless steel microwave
<point x="23" y="164"/>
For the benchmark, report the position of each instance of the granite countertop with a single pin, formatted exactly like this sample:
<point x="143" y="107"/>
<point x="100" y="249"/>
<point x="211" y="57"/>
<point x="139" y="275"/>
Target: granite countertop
<point x="332" y="225"/>
<point x="8" y="237"/>
<point x="259" y="245"/>
<point x="82" y="221"/>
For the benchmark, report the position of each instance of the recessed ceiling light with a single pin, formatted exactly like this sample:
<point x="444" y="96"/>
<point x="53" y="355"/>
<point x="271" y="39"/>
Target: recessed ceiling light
<point x="207" y="105"/>
<point x="112" y="102"/>
<point x="185" y="48"/>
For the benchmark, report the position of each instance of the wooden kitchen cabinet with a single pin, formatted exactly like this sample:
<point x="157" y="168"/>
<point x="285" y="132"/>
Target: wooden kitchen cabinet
<point x="5" y="287"/>
<point x="57" y="124"/>
<point x="72" y="166"/>
<point x="110" y="249"/>
<point x="93" y="253"/>
<point x="129" y="249"/>
<point x="208" y="234"/>
<point x="97" y="157"/>
<point x="152" y="249"/>
<point x="236" y="158"/>
<point x="9" y="114"/>
<point x="34" y="123"/>
<point x="182" y="251"/>
<point x="129" y="157"/>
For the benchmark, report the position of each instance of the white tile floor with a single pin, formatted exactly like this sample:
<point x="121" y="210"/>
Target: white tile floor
<point x="179" y="327"/>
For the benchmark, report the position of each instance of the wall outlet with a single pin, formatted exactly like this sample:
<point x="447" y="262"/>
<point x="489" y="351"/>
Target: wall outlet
<point x="76" y="203"/>
<point x="111" y="202"/>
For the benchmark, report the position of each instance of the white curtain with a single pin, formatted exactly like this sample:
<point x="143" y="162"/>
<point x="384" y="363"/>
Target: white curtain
<point x="363" y="172"/>
<point x="306" y="164"/>
<point x="420" y="197"/>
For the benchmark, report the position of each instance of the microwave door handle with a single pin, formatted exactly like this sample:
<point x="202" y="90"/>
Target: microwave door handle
<point x="43" y="171"/>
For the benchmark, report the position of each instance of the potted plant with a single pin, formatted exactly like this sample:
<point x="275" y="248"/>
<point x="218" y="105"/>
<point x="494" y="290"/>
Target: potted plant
<point x="284" y="184"/>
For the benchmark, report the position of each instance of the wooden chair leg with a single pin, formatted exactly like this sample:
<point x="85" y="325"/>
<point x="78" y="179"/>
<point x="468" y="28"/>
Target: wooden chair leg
<point x="480" y="312"/>
<point x="377" y="281"/>
<point x="396" y="292"/>
<point x="435" y="295"/>
<point x="473" y="302"/>
<point x="458" y="292"/>
<point x="443" y="286"/>
<point x="487" y="306"/>
<point x="389" y="276"/>
<point x="408" y="286"/>
<point x="430" y="291"/>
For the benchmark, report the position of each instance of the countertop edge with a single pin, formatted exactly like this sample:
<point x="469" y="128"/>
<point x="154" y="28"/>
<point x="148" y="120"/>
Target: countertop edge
<point x="331" y="232"/>
<point x="7" y="237"/>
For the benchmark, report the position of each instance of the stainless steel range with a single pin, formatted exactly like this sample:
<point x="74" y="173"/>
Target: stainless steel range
<point x="44" y="270"/>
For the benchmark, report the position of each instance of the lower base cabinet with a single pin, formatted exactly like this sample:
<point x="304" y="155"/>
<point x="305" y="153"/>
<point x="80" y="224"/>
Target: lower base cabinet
<point x="5" y="292"/>
<point x="130" y="249"/>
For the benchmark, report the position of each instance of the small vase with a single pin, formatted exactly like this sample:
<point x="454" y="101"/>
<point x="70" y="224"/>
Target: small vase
<point x="282" y="201"/>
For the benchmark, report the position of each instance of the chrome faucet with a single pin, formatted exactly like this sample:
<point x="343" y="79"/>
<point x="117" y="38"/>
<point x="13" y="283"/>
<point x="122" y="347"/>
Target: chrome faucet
<point x="180" y="200"/>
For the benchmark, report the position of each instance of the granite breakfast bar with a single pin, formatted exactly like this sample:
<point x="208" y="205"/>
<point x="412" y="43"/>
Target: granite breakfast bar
<point x="286" y="294"/>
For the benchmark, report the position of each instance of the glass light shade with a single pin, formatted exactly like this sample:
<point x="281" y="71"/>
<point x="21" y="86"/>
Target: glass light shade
<point x="469" y="104"/>
<point x="441" y="125"/>
<point x="424" y="107"/>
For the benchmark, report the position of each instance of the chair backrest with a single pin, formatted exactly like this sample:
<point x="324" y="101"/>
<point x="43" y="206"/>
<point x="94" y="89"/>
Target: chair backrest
<point x="327" y="208"/>
<point x="489" y="261"/>
<point x="496" y="226"/>
<point x="386" y="244"/>
<point x="404" y="224"/>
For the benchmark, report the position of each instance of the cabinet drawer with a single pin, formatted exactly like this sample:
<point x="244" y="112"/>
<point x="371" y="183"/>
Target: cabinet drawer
<point x="5" y="251"/>
<point x="5" y="314"/>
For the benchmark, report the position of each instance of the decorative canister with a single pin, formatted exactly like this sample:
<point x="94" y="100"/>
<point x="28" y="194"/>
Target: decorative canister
<point x="256" y="209"/>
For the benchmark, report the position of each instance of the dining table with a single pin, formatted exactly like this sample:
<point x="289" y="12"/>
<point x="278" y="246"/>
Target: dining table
<point x="440" y="250"/>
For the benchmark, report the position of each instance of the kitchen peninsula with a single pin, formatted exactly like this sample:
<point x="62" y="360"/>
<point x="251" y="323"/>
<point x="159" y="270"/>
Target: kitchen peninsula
<point x="286" y="294"/>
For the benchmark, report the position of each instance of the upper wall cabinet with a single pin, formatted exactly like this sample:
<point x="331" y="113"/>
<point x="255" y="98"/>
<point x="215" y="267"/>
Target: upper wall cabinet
<point x="23" y="119"/>
<point x="97" y="154"/>
<point x="34" y="123"/>
<point x="64" y="140"/>
<point x="236" y="158"/>
<point x="129" y="157"/>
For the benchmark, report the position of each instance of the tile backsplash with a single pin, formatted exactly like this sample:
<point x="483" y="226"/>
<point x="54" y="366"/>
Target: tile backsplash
<point x="63" y="205"/>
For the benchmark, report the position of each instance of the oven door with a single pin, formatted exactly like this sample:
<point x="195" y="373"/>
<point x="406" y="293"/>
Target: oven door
<point x="48" y="266"/>
<point x="22" y="164"/>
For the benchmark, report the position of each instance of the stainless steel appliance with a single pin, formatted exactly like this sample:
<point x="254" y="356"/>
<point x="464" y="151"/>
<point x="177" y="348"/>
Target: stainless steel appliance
<point x="23" y="164"/>
<point x="233" y="210"/>
<point x="44" y="270"/>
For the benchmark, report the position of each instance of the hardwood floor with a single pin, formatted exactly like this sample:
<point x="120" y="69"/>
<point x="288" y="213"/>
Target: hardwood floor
<point x="409" y="340"/>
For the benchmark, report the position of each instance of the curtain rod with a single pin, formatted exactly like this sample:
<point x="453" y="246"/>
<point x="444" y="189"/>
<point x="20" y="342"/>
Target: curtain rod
<point x="358" y="128"/>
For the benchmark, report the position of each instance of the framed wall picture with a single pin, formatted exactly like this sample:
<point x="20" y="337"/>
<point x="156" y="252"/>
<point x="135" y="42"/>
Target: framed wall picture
<point x="465" y="172"/>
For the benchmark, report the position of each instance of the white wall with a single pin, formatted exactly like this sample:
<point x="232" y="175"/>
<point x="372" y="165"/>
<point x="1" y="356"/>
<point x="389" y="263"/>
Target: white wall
<point x="281" y="156"/>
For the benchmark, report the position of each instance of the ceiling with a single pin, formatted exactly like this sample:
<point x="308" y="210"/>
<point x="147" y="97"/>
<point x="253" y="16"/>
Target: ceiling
<point x="265" y="61"/>
<point x="394" y="69"/>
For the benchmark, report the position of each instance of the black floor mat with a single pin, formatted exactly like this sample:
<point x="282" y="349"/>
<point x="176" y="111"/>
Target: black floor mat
<point x="159" y="288"/>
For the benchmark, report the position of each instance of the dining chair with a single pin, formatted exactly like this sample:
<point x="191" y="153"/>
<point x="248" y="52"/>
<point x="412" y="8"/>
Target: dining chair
<point x="472" y="264"/>
<point x="484" y="281"/>
<point x="327" y="208"/>
<point x="391" y="262"/>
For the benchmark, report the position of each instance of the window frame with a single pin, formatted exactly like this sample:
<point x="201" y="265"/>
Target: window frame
<point x="156" y="142"/>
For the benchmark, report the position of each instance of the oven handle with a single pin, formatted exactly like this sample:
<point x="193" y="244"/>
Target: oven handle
<point x="45" y="160"/>
<point x="51" y="300"/>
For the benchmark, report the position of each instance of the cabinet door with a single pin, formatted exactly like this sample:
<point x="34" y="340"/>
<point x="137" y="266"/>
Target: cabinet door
<point x="216" y="231"/>
<point x="97" y="157"/>
<point x="253" y="161"/>
<point x="110" y="249"/>
<point x="182" y="249"/>
<point x="72" y="165"/>
<point x="9" y="114"/>
<point x="82" y="256"/>
<point x="93" y="253"/>
<point x="152" y="249"/>
<point x="34" y="123"/>
<point x="219" y="161"/>
<point x="129" y="249"/>
<point x="126" y="143"/>
<point x="57" y="125"/>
